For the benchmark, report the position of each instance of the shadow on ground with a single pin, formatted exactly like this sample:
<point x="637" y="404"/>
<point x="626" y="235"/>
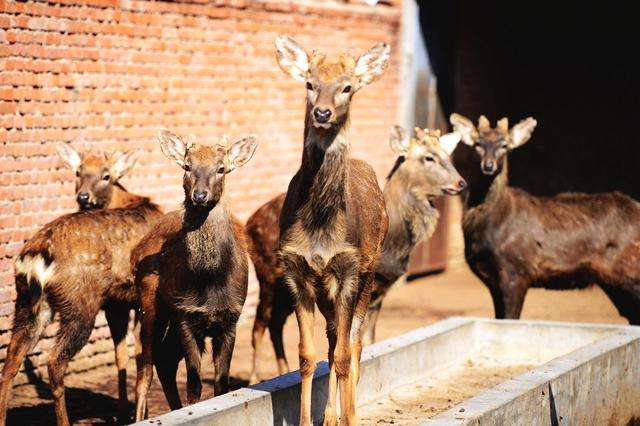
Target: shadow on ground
<point x="84" y="406"/>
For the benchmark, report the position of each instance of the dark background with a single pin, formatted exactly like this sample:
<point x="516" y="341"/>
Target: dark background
<point x="573" y="67"/>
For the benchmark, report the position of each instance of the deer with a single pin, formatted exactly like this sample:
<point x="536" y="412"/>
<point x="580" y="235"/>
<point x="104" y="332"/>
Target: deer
<point x="333" y="220"/>
<point x="515" y="240"/>
<point x="191" y="273"/>
<point x="421" y="173"/>
<point x="73" y="267"/>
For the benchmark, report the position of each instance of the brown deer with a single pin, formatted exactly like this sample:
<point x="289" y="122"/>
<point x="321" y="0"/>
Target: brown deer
<point x="191" y="274"/>
<point x="333" y="221"/>
<point x="514" y="240"/>
<point x="422" y="173"/>
<point x="74" y="266"/>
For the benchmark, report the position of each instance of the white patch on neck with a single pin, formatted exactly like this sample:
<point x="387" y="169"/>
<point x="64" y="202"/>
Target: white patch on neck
<point x="35" y="267"/>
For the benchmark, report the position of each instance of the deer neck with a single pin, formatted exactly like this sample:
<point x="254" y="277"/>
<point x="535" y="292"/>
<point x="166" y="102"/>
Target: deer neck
<point x="121" y="198"/>
<point x="324" y="171"/>
<point x="412" y="217"/>
<point x="205" y="232"/>
<point x="488" y="190"/>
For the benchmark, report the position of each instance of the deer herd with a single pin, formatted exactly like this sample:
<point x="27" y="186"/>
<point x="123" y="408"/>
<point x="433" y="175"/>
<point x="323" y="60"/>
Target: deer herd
<point x="334" y="240"/>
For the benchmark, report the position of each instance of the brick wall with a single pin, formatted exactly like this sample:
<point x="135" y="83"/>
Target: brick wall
<point x="114" y="72"/>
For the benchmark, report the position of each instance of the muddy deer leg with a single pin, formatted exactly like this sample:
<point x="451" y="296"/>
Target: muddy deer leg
<point x="257" y="334"/>
<point x="72" y="336"/>
<point x="118" y="321"/>
<point x="30" y="320"/>
<point x="276" y="327"/>
<point x="192" y="348"/>
<point x="222" y="352"/>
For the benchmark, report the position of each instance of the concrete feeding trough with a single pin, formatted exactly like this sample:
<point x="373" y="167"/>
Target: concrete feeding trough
<point x="464" y="371"/>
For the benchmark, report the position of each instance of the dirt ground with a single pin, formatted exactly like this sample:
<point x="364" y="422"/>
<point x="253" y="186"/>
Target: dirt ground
<point x="92" y="395"/>
<point x="411" y="404"/>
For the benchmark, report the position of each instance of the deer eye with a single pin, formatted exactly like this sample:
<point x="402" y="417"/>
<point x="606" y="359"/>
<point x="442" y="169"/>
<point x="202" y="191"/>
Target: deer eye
<point x="78" y="173"/>
<point x="309" y="86"/>
<point x="106" y="176"/>
<point x="429" y="159"/>
<point x="187" y="168"/>
<point x="221" y="170"/>
<point x="346" y="89"/>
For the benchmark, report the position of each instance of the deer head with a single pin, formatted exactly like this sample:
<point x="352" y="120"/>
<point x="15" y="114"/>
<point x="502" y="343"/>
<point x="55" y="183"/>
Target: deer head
<point x="96" y="174"/>
<point x="330" y="83"/>
<point x="425" y="162"/>
<point x="205" y="167"/>
<point x="493" y="143"/>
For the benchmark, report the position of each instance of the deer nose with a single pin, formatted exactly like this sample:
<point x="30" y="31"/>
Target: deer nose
<point x="321" y="115"/>
<point x="83" y="198"/>
<point x="488" y="166"/>
<point x="200" y="196"/>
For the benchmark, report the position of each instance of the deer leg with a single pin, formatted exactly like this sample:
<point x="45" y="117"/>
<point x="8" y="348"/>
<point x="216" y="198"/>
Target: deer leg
<point x="282" y="310"/>
<point x="626" y="302"/>
<point x="118" y="320"/>
<point x="263" y="313"/>
<point x="331" y="410"/>
<point x="166" y="358"/>
<point x="302" y="279"/>
<point x="369" y="326"/>
<point x="72" y="336"/>
<point x="137" y="325"/>
<point x="513" y="292"/>
<point x="307" y="353"/>
<point x="354" y="291"/>
<point x="222" y="352"/>
<point x="30" y="319"/>
<point x="276" y="326"/>
<point x="153" y="324"/>
<point x="498" y="302"/>
<point x="192" y="347"/>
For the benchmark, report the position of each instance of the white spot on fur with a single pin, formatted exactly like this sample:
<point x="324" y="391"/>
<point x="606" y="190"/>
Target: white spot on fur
<point x="35" y="267"/>
<point x="332" y="288"/>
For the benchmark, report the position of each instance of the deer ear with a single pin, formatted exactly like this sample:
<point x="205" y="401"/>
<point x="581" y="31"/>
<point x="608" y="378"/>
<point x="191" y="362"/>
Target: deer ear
<point x="173" y="147"/>
<point x="399" y="140"/>
<point x="521" y="132"/>
<point x="465" y="127"/>
<point x="70" y="156"/>
<point x="449" y="142"/>
<point x="122" y="163"/>
<point x="292" y="58"/>
<point x="372" y="64"/>
<point x="241" y="152"/>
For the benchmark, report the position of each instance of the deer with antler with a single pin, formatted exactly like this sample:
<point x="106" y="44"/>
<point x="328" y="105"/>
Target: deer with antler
<point x="515" y="240"/>
<point x="422" y="173"/>
<point x="333" y="221"/>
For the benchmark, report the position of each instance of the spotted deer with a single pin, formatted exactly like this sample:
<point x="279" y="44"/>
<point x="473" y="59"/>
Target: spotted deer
<point x="191" y="274"/>
<point x="515" y="240"/>
<point x="333" y="220"/>
<point x="422" y="173"/>
<point x="75" y="266"/>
